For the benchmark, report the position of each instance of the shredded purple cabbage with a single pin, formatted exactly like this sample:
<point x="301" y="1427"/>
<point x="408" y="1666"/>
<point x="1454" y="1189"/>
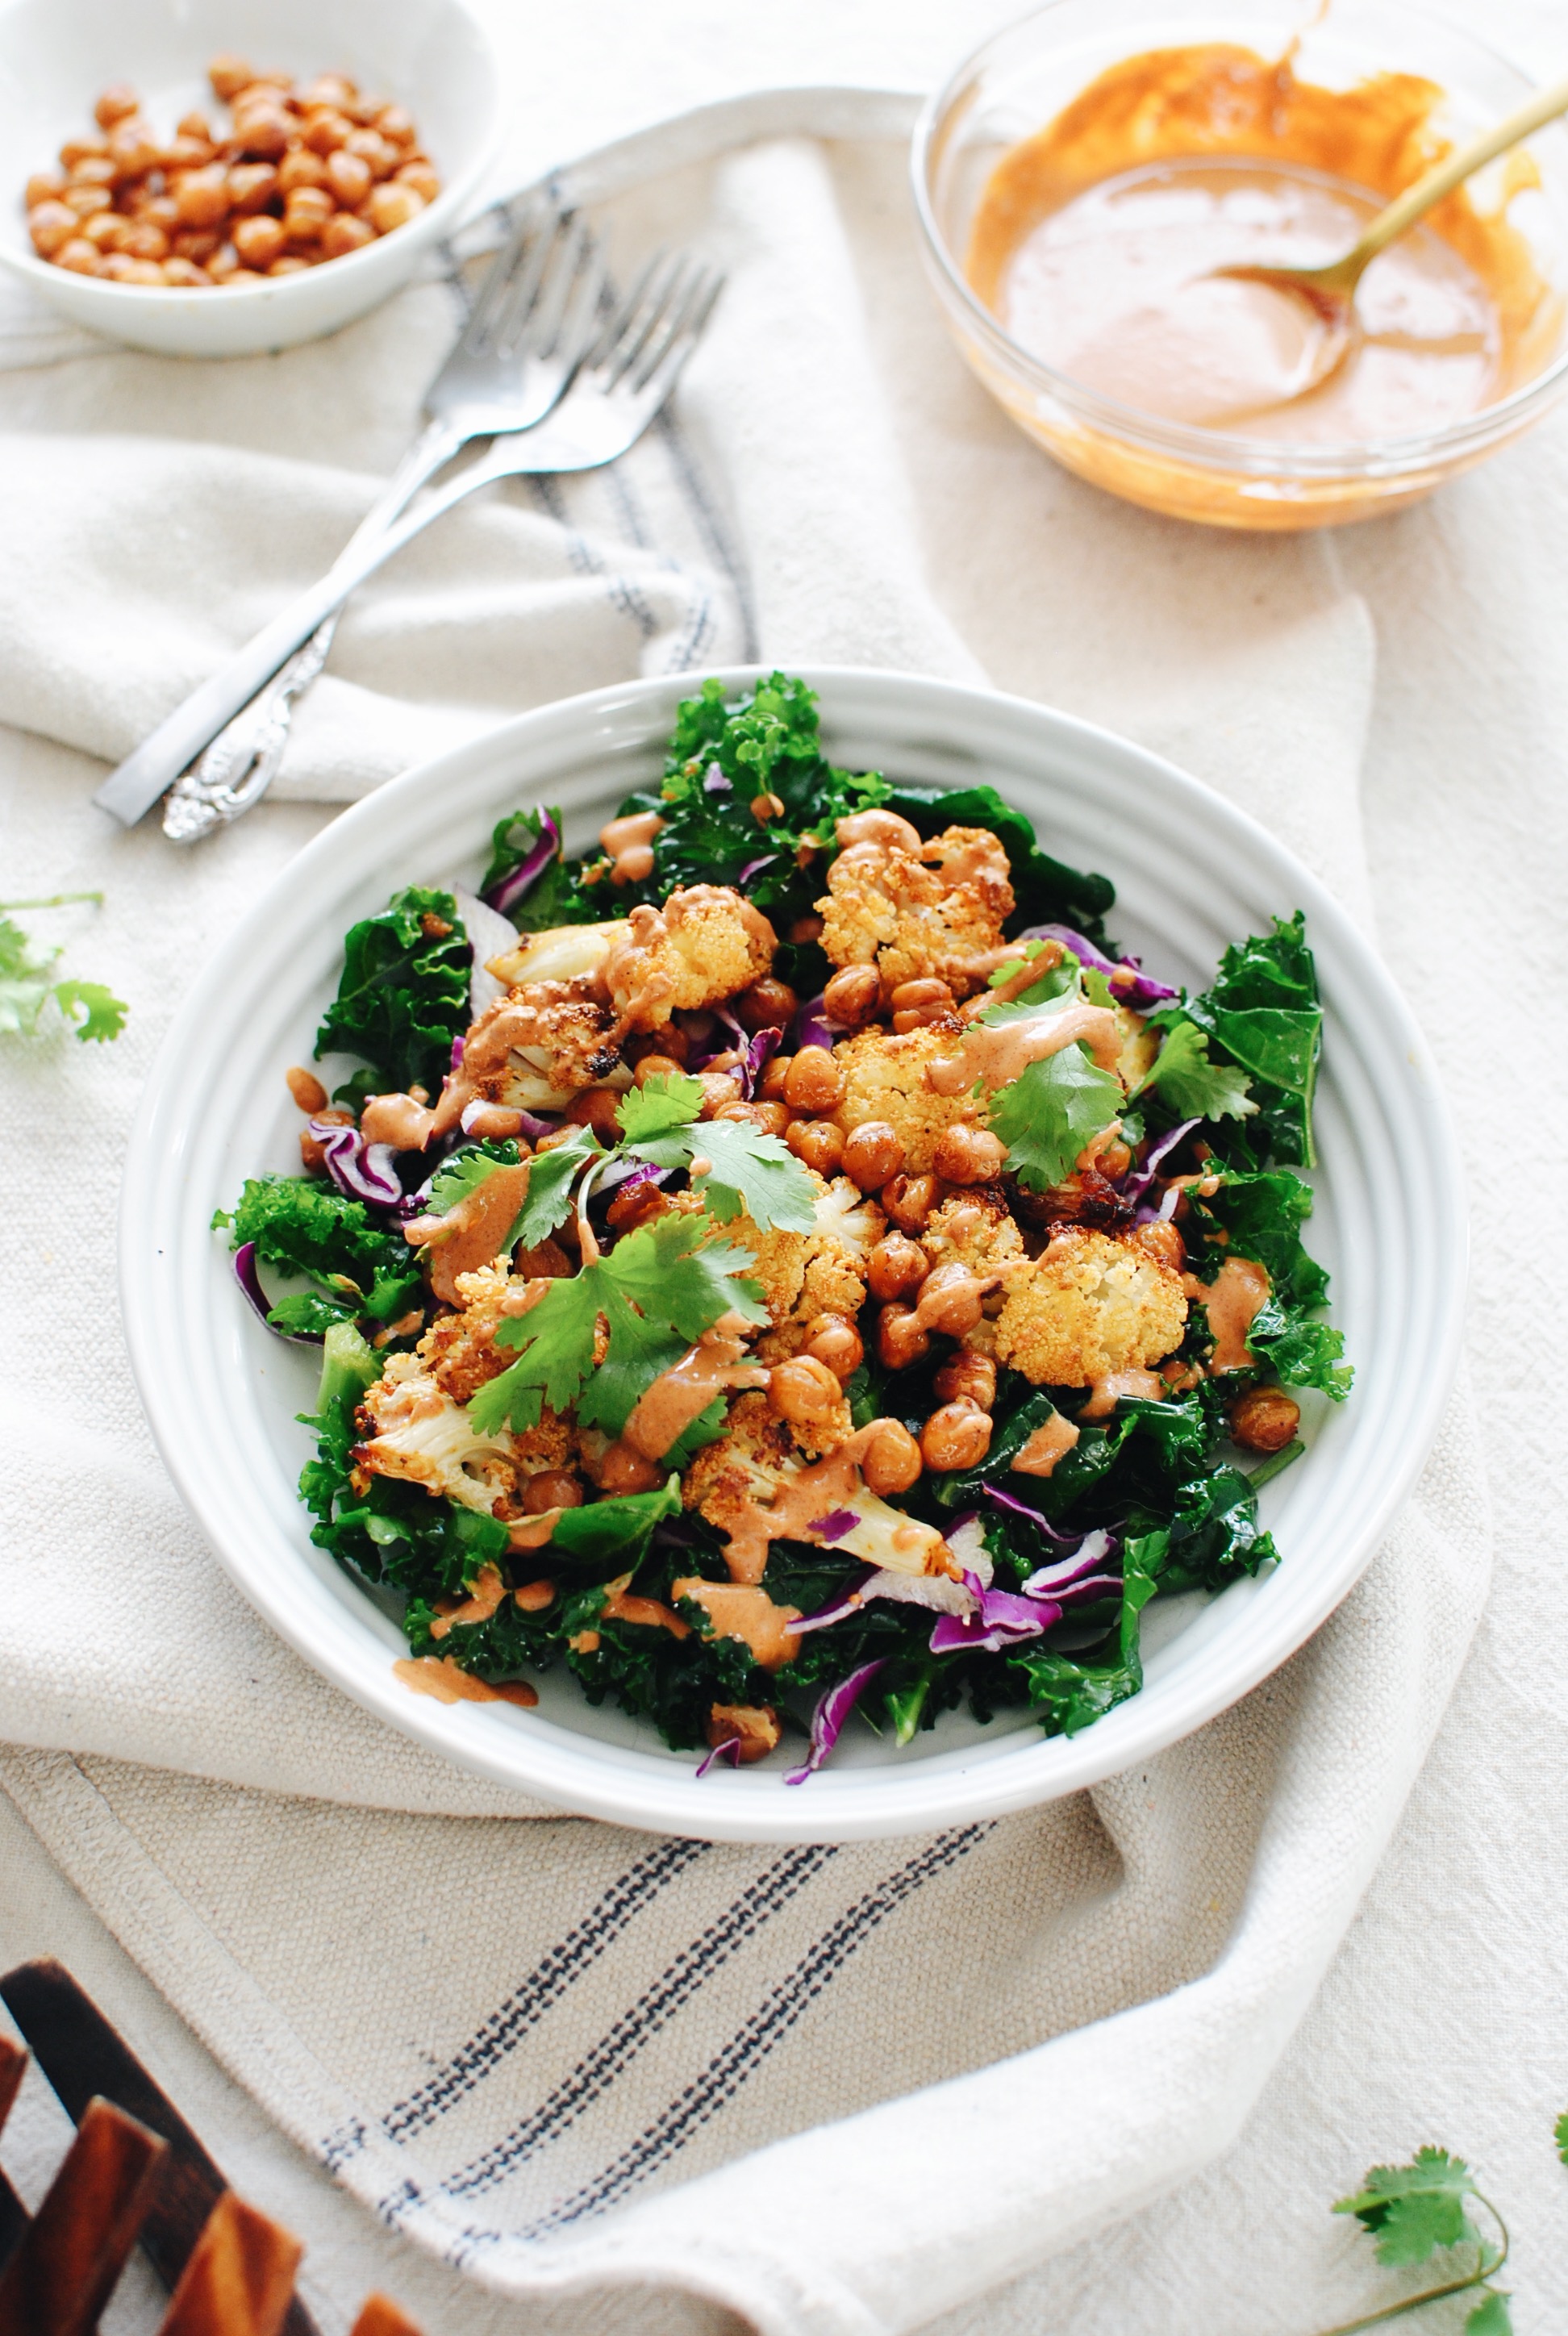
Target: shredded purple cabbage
<point x="505" y="896"/>
<point x="1022" y="1509"/>
<point x="250" y="1280"/>
<point x="1096" y="1549"/>
<point x="754" y="867"/>
<point x="716" y="784"/>
<point x="833" y="1710"/>
<point x="364" y="1171"/>
<point x="835" y="1524"/>
<point x="1002" y="1617"/>
<point x="1137" y="1185"/>
<point x="811" y="1026"/>
<point x="729" y="1751"/>
<point x="1130" y="985"/>
<point x="842" y="1603"/>
<point x="457" y="1047"/>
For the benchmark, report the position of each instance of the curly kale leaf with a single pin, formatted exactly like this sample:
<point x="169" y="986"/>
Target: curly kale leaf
<point x="550" y="898"/>
<point x="1261" y="1216"/>
<point x="403" y="995"/>
<point x="307" y="1228"/>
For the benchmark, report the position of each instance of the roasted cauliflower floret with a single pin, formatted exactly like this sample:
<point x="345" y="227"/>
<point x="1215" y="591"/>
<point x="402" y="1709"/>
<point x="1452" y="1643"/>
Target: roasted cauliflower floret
<point x="916" y="911"/>
<point x="534" y="1049"/>
<point x="885" y="1078"/>
<point x="780" y="1259"/>
<point x="1087" y="1307"/>
<point x="745" y="1467"/>
<point x="460" y="1354"/>
<point x="973" y="1228"/>
<point x="707" y="942"/>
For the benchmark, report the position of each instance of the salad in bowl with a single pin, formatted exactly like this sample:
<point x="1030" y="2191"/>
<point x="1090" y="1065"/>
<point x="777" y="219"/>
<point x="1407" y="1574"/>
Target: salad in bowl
<point x="788" y="1262"/>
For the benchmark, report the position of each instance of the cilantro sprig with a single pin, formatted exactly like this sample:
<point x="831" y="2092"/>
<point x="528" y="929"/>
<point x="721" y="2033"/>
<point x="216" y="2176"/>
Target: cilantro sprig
<point x="1050" y="1112"/>
<point x="27" y="983"/>
<point x="658" y="1290"/>
<point x="747" y="1171"/>
<point x="1414" y="2212"/>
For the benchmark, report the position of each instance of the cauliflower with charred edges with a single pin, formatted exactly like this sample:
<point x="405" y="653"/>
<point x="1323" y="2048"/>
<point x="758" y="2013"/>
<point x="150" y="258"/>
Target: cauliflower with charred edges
<point x="705" y="944"/>
<point x="885" y="1079"/>
<point x="534" y="1049"/>
<point x="1088" y="1306"/>
<point x="916" y="911"/>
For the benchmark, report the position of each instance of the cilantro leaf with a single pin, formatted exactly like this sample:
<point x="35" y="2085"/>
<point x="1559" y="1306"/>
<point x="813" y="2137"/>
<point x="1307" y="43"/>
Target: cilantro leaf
<point x="665" y="1101"/>
<point x="403" y="995"/>
<point x="1559" y="2135"/>
<point x="750" y="1171"/>
<point x="1413" y="2210"/>
<point x="1490" y="2316"/>
<point x="1051" y="1112"/>
<point x="103" y="1014"/>
<point x="550" y="1182"/>
<point x="658" y="1289"/>
<point x="1194" y="1086"/>
<point x="464" y="1171"/>
<point x="24" y="978"/>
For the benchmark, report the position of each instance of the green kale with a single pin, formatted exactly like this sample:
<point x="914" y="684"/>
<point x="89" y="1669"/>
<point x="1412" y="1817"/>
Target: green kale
<point x="404" y="995"/>
<point x="308" y="1228"/>
<point x="551" y="898"/>
<point x="1050" y="1112"/>
<point x="1263" y="1011"/>
<point x="1261" y="1216"/>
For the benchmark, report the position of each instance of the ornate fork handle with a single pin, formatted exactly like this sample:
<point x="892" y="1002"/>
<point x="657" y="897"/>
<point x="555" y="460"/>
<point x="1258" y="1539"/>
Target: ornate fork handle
<point x="240" y="765"/>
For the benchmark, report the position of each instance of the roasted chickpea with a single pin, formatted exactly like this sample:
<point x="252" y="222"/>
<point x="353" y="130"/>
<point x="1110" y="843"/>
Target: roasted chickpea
<point x="967" y="1376"/>
<point x="771" y="1085"/>
<point x="426" y="184"/>
<point x="853" y="997"/>
<point x="834" y="1340"/>
<point x="134" y="150"/>
<point x="44" y="187"/>
<point x="891" y="1461"/>
<point x="654" y="1065"/>
<point x="307" y="1089"/>
<point x="194" y="125"/>
<point x="768" y="1005"/>
<point x="1265" y="1419"/>
<point x="305" y="212"/>
<point x="196" y="244"/>
<point x="895" y="1266"/>
<point x="951" y="1300"/>
<point x="251" y="187"/>
<point x="1163" y="1242"/>
<point x="1113" y="1159"/>
<point x="383" y="157"/>
<point x="228" y="75"/>
<point x="392" y="206"/>
<point x="909" y="1201"/>
<point x="186" y="154"/>
<point x="52" y="227"/>
<point x="344" y="234"/>
<point x="117" y="101"/>
<point x="595" y="1107"/>
<point x="718" y="1087"/>
<point x="633" y="1206"/>
<point x="916" y="1003"/>
<point x="77" y="149"/>
<point x="119" y="267"/>
<point x="872" y="1153"/>
<point x="260" y="240"/>
<point x="312" y="1157"/>
<point x="804" y="1389"/>
<point x="80" y="256"/>
<point x="900" y="1339"/>
<point x="623" y="1469"/>
<point x="263" y="133"/>
<point x="94" y="171"/>
<point x="301" y="168"/>
<point x="185" y="272"/>
<point x="328" y="89"/>
<point x="396" y="124"/>
<point x="752" y="1728"/>
<point x="818" y="1143"/>
<point x="969" y="1155"/>
<point x="553" y="1488"/>
<point x="772" y="1118"/>
<point x="201" y="196"/>
<point x="85" y="200"/>
<point x="958" y="1435"/>
<point x="326" y="129"/>
<point x="348" y="176"/>
<point x="814" y="1082"/>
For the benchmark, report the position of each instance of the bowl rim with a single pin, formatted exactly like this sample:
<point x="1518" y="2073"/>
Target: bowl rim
<point x="1203" y="448"/>
<point x="429" y="225"/>
<point x="594" y="1778"/>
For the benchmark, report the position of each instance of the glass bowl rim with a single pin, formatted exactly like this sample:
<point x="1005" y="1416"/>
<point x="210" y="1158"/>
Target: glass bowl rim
<point x="1202" y="448"/>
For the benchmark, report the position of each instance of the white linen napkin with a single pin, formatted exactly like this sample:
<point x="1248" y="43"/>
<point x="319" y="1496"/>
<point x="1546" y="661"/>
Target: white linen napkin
<point x="839" y="2091"/>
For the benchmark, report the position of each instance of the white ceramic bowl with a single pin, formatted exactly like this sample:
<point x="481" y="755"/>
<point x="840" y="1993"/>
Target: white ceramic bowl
<point x="56" y="55"/>
<point x="1192" y="874"/>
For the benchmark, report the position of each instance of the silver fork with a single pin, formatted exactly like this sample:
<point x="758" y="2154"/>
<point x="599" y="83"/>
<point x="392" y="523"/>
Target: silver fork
<point x="630" y="368"/>
<point x="536" y="311"/>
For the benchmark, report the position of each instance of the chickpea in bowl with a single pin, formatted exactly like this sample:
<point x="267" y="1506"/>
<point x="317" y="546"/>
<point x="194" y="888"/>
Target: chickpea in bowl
<point x="302" y="174"/>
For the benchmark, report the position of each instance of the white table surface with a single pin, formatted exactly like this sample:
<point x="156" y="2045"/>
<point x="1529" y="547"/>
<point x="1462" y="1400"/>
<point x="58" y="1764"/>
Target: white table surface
<point x="1442" y="2019"/>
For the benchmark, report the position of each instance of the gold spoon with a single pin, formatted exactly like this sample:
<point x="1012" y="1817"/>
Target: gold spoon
<point x="1330" y="290"/>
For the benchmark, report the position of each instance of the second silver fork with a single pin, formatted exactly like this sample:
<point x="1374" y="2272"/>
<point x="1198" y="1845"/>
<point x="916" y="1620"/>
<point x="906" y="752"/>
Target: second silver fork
<point x="534" y="315"/>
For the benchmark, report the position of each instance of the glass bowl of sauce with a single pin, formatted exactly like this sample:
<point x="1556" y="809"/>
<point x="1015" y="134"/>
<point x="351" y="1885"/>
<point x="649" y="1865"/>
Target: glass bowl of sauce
<point x="1081" y="177"/>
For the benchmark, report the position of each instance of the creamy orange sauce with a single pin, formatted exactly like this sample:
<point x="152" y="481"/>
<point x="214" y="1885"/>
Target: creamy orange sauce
<point x="1231" y="1301"/>
<point x="470" y="1234"/>
<point x="829" y="1484"/>
<point x="1107" y="1392"/>
<point x="744" y="1610"/>
<point x="999" y="1054"/>
<point x="629" y="843"/>
<point x="1045" y="1446"/>
<point x="486" y="1592"/>
<point x="667" y="1408"/>
<point x="619" y="1606"/>
<point x="440" y="1676"/>
<point x="1093" y="240"/>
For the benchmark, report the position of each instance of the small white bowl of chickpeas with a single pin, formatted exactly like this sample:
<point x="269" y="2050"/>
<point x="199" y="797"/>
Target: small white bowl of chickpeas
<point x="216" y="178"/>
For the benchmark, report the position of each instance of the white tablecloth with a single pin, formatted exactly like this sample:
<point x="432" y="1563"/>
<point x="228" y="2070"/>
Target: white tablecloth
<point x="1428" y="2025"/>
